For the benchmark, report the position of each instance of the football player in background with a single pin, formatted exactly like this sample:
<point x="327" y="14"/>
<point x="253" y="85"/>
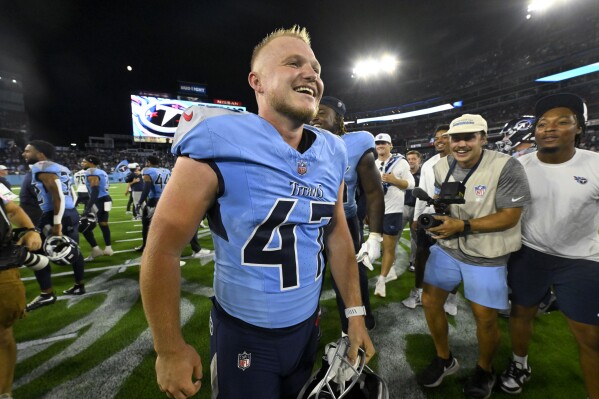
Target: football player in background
<point x="52" y="183"/>
<point x="81" y="193"/>
<point x="564" y="184"/>
<point x="361" y="170"/>
<point x="271" y="185"/>
<point x="99" y="203"/>
<point x="135" y="187"/>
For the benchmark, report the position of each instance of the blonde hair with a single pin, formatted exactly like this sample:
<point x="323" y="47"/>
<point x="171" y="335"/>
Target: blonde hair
<point x="295" y="31"/>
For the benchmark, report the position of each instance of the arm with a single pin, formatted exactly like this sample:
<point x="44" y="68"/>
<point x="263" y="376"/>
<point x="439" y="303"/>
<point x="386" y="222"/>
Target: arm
<point x="147" y="187"/>
<point x="400" y="176"/>
<point x="192" y="190"/>
<point x="503" y="219"/>
<point x="345" y="272"/>
<point x="94" y="182"/>
<point x="17" y="216"/>
<point x="53" y="185"/>
<point x="370" y="179"/>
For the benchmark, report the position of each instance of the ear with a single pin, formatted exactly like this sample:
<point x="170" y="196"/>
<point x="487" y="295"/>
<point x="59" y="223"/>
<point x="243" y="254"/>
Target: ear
<point x="255" y="82"/>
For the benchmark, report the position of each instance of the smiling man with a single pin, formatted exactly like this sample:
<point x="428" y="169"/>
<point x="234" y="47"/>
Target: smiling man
<point x="270" y="185"/>
<point x="560" y="242"/>
<point x="473" y="245"/>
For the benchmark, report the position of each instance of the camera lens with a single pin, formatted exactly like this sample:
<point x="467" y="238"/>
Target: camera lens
<point x="35" y="262"/>
<point x="426" y="221"/>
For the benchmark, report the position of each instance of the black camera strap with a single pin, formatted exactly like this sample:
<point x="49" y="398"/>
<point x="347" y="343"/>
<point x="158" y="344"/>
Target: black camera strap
<point x="455" y="162"/>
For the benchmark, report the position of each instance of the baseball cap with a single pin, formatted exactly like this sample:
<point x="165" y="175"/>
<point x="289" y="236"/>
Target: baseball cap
<point x="2" y="167"/>
<point x="133" y="165"/>
<point x="467" y="123"/>
<point x="335" y="104"/>
<point x="572" y="101"/>
<point x="383" y="137"/>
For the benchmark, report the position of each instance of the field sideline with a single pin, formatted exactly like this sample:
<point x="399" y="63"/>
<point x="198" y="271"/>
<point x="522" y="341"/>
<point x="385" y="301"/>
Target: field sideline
<point x="99" y="345"/>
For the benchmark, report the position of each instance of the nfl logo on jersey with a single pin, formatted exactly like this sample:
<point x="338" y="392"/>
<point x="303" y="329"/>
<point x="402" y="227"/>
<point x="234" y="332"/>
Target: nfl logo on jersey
<point x="244" y="360"/>
<point x="302" y="167"/>
<point x="480" y="190"/>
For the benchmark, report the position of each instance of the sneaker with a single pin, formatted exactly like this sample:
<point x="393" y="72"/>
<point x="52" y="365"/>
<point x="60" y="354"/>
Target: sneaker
<point x="412" y="268"/>
<point x="480" y="384"/>
<point x="433" y="375"/>
<point x="96" y="251"/>
<point x="392" y="275"/>
<point x="108" y="251"/>
<point x="414" y="299"/>
<point x="512" y="379"/>
<point x="451" y="304"/>
<point x="42" y="299"/>
<point x="77" y="289"/>
<point x="380" y="288"/>
<point x="128" y="212"/>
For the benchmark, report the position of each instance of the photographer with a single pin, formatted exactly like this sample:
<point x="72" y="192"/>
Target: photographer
<point x="484" y="192"/>
<point x="12" y="300"/>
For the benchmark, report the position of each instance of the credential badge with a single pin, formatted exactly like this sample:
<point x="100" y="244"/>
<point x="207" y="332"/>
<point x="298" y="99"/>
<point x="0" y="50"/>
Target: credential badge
<point x="302" y="167"/>
<point x="244" y="360"/>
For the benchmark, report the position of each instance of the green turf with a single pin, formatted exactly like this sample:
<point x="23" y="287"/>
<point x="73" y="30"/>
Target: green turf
<point x="556" y="373"/>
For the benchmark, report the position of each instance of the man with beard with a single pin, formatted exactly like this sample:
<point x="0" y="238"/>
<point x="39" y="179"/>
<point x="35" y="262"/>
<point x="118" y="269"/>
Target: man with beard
<point x="52" y="183"/>
<point x="361" y="170"/>
<point x="560" y="245"/>
<point x="487" y="190"/>
<point x="271" y="185"/>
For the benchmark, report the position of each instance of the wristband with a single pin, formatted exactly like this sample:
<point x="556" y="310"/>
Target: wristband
<point x="57" y="219"/>
<point x="467" y="227"/>
<point x="355" y="311"/>
<point x="378" y="236"/>
<point x="32" y="229"/>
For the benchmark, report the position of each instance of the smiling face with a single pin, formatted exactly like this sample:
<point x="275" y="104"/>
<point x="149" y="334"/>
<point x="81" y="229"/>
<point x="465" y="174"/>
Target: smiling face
<point x="556" y="131"/>
<point x="383" y="149"/>
<point x="326" y="119"/>
<point x="286" y="79"/>
<point x="466" y="148"/>
<point x="442" y="142"/>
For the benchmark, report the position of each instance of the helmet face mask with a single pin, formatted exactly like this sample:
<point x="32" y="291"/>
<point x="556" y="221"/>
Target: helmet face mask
<point x="62" y="250"/>
<point x="337" y="378"/>
<point x="516" y="132"/>
<point x="88" y="222"/>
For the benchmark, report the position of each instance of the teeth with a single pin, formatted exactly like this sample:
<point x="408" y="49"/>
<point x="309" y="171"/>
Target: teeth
<point x="306" y="90"/>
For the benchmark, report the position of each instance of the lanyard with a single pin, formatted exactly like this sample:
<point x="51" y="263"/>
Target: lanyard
<point x="455" y="162"/>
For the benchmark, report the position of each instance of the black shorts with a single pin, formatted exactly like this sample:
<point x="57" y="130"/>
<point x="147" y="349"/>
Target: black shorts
<point x="392" y="224"/>
<point x="70" y="223"/>
<point x="575" y="282"/>
<point x="253" y="362"/>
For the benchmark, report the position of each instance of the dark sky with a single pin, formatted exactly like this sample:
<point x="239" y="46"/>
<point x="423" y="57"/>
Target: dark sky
<point x="73" y="55"/>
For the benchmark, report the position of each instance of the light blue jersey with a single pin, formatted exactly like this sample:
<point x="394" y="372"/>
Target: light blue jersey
<point x="272" y="207"/>
<point x="160" y="177"/>
<point x="357" y="144"/>
<point x="44" y="197"/>
<point x="100" y="174"/>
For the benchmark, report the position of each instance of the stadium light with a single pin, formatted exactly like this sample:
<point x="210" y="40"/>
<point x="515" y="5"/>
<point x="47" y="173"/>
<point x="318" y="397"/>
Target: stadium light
<point x="410" y="114"/>
<point x="572" y="73"/>
<point x="386" y="64"/>
<point x="540" y="5"/>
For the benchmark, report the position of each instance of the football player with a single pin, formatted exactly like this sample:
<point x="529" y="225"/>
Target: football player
<point x="52" y="182"/>
<point x="100" y="202"/>
<point x="361" y="170"/>
<point x="271" y="185"/>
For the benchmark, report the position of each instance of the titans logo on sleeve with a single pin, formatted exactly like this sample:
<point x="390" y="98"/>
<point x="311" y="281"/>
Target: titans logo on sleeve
<point x="160" y="177"/>
<point x="357" y="144"/>
<point x="44" y="197"/>
<point x="269" y="246"/>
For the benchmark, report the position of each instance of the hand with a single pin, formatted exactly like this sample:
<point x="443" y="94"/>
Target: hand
<point x="57" y="230"/>
<point x="370" y="250"/>
<point x="31" y="239"/>
<point x="175" y="373"/>
<point x="138" y="209"/>
<point x="359" y="338"/>
<point x="387" y="177"/>
<point x="449" y="227"/>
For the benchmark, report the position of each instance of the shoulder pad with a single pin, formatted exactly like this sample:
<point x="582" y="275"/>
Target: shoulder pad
<point x="195" y="115"/>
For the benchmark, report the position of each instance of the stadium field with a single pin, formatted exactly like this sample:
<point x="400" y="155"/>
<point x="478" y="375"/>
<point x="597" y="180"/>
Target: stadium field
<point x="99" y="345"/>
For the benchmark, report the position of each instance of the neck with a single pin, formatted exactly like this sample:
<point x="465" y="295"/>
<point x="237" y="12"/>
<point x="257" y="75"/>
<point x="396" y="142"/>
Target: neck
<point x="384" y="157"/>
<point x="290" y="130"/>
<point x="470" y="164"/>
<point x="556" y="157"/>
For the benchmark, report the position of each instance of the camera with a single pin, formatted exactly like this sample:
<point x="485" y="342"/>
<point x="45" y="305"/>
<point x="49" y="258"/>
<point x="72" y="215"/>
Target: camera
<point x="451" y="193"/>
<point x="12" y="256"/>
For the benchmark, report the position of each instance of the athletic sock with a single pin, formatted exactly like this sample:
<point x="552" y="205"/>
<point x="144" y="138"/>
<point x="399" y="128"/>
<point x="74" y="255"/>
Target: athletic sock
<point x="523" y="360"/>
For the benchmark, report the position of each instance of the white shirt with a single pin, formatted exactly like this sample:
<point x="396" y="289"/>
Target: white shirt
<point x="427" y="183"/>
<point x="394" y="198"/>
<point x="563" y="218"/>
<point x="80" y="178"/>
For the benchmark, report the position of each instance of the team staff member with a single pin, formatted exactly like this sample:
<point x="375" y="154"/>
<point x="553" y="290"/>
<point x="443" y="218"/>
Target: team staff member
<point x="52" y="183"/>
<point x="396" y="177"/>
<point x="360" y="154"/>
<point x="564" y="183"/>
<point x="414" y="159"/>
<point x="12" y="297"/>
<point x="271" y="185"/>
<point x="135" y="187"/>
<point x="473" y="245"/>
<point x="100" y="202"/>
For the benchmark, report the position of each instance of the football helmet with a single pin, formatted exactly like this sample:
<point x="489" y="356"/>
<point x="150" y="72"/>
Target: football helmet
<point x="337" y="378"/>
<point x="62" y="250"/>
<point x="515" y="132"/>
<point x="88" y="222"/>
